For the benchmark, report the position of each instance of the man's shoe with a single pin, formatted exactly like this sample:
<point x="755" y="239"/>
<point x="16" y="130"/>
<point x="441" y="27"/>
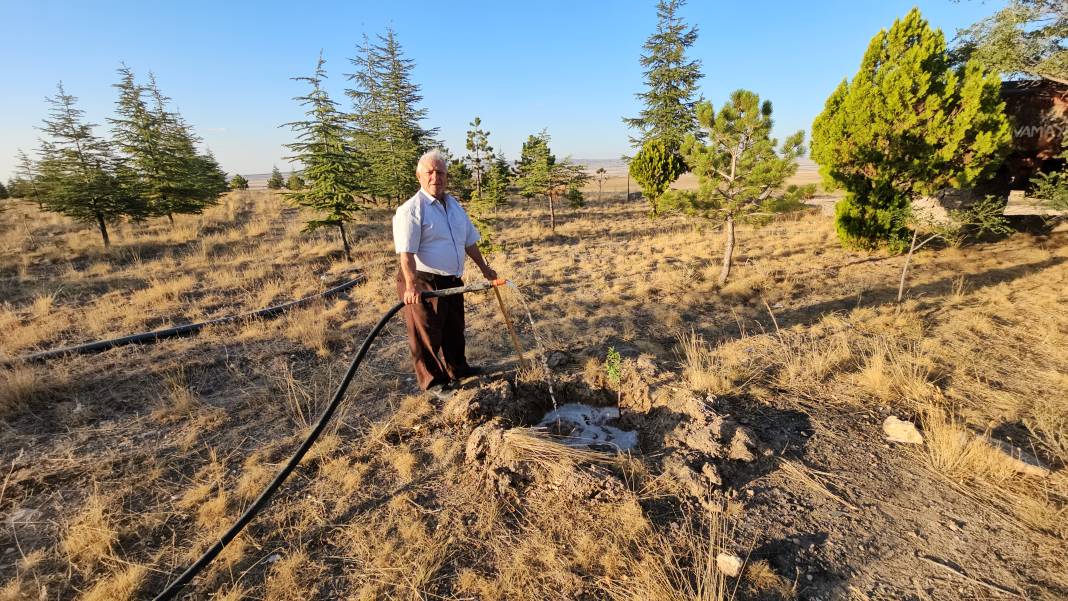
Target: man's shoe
<point x="441" y="392"/>
<point x="472" y="370"/>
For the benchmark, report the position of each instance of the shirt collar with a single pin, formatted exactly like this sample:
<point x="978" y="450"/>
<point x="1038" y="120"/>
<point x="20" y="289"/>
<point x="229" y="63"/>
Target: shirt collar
<point x="430" y="197"/>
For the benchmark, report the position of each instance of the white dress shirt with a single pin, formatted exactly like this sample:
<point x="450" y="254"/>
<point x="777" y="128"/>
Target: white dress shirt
<point x="436" y="234"/>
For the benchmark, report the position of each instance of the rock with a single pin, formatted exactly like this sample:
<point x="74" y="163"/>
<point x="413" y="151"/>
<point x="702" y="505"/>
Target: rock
<point x="710" y="472"/>
<point x="557" y="358"/>
<point x="729" y="565"/>
<point x="739" y="442"/>
<point x="898" y="430"/>
<point x="743" y="443"/>
<point x="690" y="482"/>
<point x="1022" y="461"/>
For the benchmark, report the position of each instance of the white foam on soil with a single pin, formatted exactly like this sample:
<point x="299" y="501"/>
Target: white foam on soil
<point x="589" y="426"/>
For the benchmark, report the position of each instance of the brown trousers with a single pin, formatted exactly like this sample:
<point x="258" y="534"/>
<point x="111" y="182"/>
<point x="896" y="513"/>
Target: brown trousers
<point x="436" y="331"/>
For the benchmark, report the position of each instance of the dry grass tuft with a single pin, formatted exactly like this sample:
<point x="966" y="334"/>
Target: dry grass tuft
<point x="255" y="475"/>
<point x="531" y="446"/>
<point x="119" y="587"/>
<point x="90" y="537"/>
<point x="680" y="570"/>
<point x="212" y="514"/>
<point x="20" y="387"/>
<point x="404" y="462"/>
<point x="988" y="475"/>
<point x="895" y="374"/>
<point x="717" y="371"/>
<point x="177" y="399"/>
<point x="761" y="580"/>
<point x="14" y="590"/>
<point x="293" y="578"/>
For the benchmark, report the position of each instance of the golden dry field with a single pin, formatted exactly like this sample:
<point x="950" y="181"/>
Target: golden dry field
<point x="759" y="408"/>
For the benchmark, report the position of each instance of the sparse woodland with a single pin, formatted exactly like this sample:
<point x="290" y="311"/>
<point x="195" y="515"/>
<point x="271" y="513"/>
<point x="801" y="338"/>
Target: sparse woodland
<point x="760" y="349"/>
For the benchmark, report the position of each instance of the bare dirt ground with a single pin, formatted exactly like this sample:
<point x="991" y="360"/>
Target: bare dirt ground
<point x="759" y="407"/>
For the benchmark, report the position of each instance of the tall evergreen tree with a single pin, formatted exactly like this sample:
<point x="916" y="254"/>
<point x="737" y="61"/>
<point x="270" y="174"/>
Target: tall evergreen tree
<point x="79" y="174"/>
<point x="275" y="182"/>
<point x="908" y="125"/>
<point x="368" y="112"/>
<point x="334" y="169"/>
<point x="740" y="169"/>
<point x="388" y="117"/>
<point x="670" y="79"/>
<point x="160" y="147"/>
<point x="196" y="177"/>
<point x="480" y="153"/>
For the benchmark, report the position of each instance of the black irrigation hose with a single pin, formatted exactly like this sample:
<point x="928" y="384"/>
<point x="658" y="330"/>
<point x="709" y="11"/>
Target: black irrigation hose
<point x="183" y="330"/>
<point x="290" y="465"/>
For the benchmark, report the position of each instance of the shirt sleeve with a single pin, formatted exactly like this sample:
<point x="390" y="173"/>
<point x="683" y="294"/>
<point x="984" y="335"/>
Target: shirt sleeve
<point x="406" y="231"/>
<point x="472" y="232"/>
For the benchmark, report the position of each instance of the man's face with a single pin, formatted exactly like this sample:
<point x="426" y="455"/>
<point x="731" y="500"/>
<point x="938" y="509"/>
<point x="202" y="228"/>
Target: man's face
<point x="433" y="178"/>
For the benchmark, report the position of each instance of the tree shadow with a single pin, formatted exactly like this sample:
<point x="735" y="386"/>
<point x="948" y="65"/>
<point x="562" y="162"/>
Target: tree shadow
<point x="888" y="294"/>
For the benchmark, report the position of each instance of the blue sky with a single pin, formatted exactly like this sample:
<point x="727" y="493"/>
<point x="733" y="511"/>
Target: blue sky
<point x="571" y="67"/>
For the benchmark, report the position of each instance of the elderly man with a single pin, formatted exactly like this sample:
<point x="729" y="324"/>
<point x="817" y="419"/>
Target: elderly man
<point x="432" y="233"/>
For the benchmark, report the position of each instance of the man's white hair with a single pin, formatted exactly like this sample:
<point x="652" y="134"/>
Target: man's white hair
<point x="433" y="155"/>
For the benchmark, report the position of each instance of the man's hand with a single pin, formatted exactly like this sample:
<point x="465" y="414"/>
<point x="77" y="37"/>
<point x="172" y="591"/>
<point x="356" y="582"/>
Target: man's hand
<point x="488" y="273"/>
<point x="412" y="291"/>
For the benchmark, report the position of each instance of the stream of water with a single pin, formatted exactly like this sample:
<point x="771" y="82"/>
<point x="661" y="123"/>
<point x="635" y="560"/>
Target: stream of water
<point x="537" y="339"/>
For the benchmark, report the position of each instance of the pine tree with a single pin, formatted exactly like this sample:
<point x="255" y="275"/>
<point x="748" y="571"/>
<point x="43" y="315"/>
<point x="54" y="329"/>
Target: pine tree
<point x="908" y="125"/>
<point x="238" y="182"/>
<point x="480" y="153"/>
<point x="79" y="174"/>
<point x="461" y="180"/>
<point x="161" y="149"/>
<point x="494" y="194"/>
<point x="25" y="179"/>
<point x="275" y="182"/>
<point x="212" y="179"/>
<point x="495" y="184"/>
<point x="195" y="177"/>
<point x="740" y="170"/>
<point x="333" y="168"/>
<point x="1026" y="37"/>
<point x="538" y="173"/>
<point x="387" y="117"/>
<point x="670" y="79"/>
<point x="367" y="119"/>
<point x="532" y="168"/>
<point x="3" y="192"/>
<point x="294" y="182"/>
